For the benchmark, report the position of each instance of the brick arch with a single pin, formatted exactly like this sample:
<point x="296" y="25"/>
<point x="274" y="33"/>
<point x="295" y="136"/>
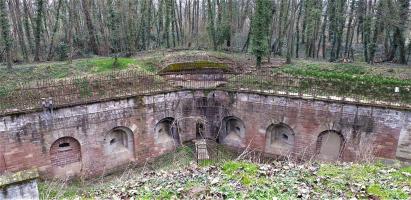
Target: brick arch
<point x="165" y="130"/>
<point x="232" y="131"/>
<point x="65" y="151"/>
<point x="280" y="139"/>
<point x="329" y="145"/>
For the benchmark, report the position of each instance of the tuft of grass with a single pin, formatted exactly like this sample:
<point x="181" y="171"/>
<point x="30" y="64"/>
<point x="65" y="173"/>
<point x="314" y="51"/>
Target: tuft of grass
<point x="59" y="190"/>
<point x="231" y="167"/>
<point x="243" y="171"/>
<point x="385" y="193"/>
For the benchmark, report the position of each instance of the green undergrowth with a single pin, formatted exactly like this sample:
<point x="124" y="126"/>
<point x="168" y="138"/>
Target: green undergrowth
<point x="181" y="157"/>
<point x="175" y="175"/>
<point x="345" y="72"/>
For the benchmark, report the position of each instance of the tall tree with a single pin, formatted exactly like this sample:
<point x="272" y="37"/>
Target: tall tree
<point x="27" y="25"/>
<point x="90" y="26"/>
<point x="337" y="21"/>
<point x="55" y="28"/>
<point x="377" y="30"/>
<point x="349" y="29"/>
<point x="14" y="7"/>
<point x="5" y="32"/>
<point x="290" y="39"/>
<point x="401" y="29"/>
<point x="210" y="26"/>
<point x="38" y="29"/>
<point x="259" y="36"/>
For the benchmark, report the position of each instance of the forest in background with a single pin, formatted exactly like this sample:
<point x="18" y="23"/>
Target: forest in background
<point x="334" y="30"/>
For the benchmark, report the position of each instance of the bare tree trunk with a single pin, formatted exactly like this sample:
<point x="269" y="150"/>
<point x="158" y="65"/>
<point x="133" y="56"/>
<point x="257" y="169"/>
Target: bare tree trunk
<point x="70" y="31"/>
<point x="297" y="42"/>
<point x="290" y="40"/>
<point x="16" y="17"/>
<point x="39" y="29"/>
<point x="349" y="28"/>
<point x="27" y="26"/>
<point x="56" y="24"/>
<point x="5" y="32"/>
<point x="90" y="26"/>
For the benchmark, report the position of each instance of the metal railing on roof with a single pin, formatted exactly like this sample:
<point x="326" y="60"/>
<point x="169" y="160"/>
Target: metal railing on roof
<point x="120" y="85"/>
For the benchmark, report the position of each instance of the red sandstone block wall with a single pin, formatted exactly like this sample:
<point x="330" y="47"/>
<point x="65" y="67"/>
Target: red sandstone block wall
<point x="34" y="147"/>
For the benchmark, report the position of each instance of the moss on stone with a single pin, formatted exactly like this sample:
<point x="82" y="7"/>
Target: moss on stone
<point x="17" y="177"/>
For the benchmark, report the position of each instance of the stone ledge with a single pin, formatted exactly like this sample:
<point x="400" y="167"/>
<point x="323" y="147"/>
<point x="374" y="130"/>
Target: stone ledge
<point x="21" y="176"/>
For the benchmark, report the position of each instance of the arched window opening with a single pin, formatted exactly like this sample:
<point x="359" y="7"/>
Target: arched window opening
<point x="65" y="151"/>
<point x="280" y="139"/>
<point x="329" y="145"/>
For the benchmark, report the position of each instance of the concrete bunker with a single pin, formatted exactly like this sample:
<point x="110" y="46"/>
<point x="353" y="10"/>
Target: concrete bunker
<point x="232" y="131"/>
<point x="65" y="156"/>
<point x="166" y="132"/>
<point x="329" y="145"/>
<point x="119" y="146"/>
<point x="279" y="139"/>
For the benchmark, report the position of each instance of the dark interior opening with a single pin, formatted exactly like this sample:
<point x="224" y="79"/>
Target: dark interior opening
<point x="62" y="145"/>
<point x="112" y="141"/>
<point x="199" y="130"/>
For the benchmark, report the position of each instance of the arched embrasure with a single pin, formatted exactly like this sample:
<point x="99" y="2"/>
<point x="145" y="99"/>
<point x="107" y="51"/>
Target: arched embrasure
<point x="119" y="139"/>
<point x="279" y="139"/>
<point x="232" y="131"/>
<point x="167" y="129"/>
<point x="329" y="145"/>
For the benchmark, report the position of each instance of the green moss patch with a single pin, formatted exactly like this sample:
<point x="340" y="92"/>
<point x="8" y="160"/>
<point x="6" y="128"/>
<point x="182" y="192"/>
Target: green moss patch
<point x="17" y="177"/>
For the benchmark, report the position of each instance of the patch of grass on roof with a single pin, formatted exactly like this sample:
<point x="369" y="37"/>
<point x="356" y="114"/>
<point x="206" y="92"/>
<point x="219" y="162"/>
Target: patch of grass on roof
<point x="107" y="64"/>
